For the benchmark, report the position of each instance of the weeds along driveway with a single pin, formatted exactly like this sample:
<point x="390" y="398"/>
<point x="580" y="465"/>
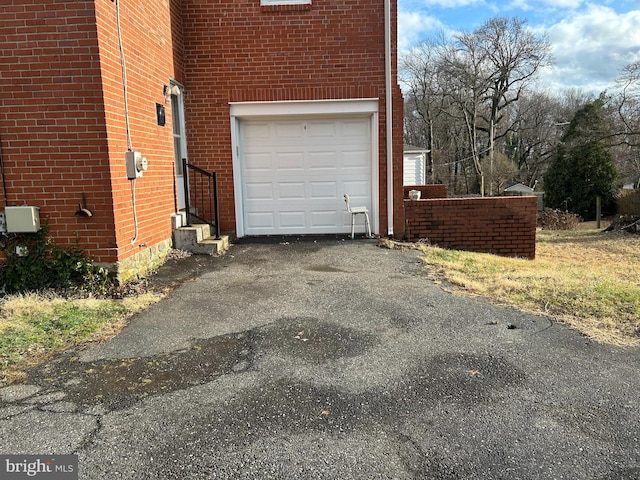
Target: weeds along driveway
<point x="333" y="359"/>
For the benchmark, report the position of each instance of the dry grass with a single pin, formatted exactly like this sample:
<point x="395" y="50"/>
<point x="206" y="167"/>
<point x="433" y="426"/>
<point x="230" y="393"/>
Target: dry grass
<point x="33" y="327"/>
<point x="587" y="279"/>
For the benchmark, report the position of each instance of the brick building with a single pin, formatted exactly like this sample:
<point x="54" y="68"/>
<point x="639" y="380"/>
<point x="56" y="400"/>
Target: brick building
<point x="291" y="102"/>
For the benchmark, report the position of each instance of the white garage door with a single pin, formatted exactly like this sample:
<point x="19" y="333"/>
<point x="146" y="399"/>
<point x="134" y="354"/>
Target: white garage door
<point x="295" y="173"/>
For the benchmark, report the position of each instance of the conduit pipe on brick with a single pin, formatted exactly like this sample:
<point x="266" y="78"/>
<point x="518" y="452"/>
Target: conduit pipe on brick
<point x="125" y="94"/>
<point x="4" y="180"/>
<point x="388" y="113"/>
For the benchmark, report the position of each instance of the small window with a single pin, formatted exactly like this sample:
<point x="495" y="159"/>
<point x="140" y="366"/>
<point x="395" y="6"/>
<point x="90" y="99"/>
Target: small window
<point x="285" y="2"/>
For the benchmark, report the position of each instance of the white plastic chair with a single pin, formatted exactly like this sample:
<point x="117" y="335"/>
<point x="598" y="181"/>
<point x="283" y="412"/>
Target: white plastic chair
<point x="355" y="211"/>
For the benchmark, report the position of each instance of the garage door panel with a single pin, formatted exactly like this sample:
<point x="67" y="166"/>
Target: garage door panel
<point x="323" y="190"/>
<point x="291" y="190"/>
<point x="261" y="221"/>
<point x="294" y="181"/>
<point x="322" y="160"/>
<point x="356" y="159"/>
<point x="257" y="131"/>
<point x="259" y="191"/>
<point x="290" y="160"/>
<point x="358" y="190"/>
<point x="355" y="128"/>
<point x="322" y="129"/>
<point x="295" y="219"/>
<point x="323" y="220"/>
<point x="258" y="162"/>
<point x="290" y="132"/>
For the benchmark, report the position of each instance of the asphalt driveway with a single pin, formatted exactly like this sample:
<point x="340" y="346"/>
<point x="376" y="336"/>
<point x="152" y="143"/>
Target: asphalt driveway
<point x="332" y="359"/>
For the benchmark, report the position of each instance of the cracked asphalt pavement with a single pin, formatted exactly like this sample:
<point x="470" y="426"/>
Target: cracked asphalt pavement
<point x="331" y="359"/>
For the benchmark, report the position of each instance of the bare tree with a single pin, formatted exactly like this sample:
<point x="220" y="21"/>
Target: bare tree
<point x="473" y="80"/>
<point x="536" y="127"/>
<point x="463" y="67"/>
<point x="425" y="101"/>
<point x="627" y="106"/>
<point x="514" y="54"/>
<point x="503" y="172"/>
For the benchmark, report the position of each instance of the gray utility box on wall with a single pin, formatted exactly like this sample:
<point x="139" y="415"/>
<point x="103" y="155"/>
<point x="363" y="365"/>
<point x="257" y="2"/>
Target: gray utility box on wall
<point x="22" y="219"/>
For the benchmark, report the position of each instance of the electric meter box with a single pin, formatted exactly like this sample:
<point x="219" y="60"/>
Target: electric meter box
<point x="136" y="164"/>
<point x="22" y="219"/>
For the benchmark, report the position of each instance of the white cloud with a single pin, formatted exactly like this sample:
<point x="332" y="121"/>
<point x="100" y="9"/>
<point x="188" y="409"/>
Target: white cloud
<point x="591" y="46"/>
<point x="558" y="4"/>
<point x="545" y="9"/>
<point x="415" y="26"/>
<point x="591" y="39"/>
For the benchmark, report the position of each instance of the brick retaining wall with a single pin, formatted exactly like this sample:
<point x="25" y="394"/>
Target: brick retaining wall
<point x="434" y="190"/>
<point x="500" y="225"/>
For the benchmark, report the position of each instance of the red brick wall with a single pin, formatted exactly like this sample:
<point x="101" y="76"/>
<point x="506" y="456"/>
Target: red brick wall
<point x="177" y="40"/>
<point x="427" y="191"/>
<point x="398" y="151"/>
<point x="501" y="225"/>
<point x="237" y="51"/>
<point x="51" y="117"/>
<point x="147" y="40"/>
<point x="62" y="119"/>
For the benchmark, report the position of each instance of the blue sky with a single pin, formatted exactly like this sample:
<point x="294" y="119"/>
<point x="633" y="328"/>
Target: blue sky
<point x="591" y="40"/>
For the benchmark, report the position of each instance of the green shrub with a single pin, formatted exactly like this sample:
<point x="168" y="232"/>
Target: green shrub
<point x="34" y="262"/>
<point x="582" y="168"/>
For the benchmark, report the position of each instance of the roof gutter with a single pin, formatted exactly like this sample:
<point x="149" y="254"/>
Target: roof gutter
<point x="389" y="114"/>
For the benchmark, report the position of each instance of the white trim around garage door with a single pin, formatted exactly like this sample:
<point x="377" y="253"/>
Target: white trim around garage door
<point x="310" y="109"/>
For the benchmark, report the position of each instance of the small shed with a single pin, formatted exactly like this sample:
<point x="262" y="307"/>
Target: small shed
<point x="415" y="165"/>
<point x="518" y="189"/>
<point x="521" y="190"/>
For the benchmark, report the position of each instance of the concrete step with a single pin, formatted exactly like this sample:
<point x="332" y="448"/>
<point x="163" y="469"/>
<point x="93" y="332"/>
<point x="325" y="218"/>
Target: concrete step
<point x="197" y="239"/>
<point x="210" y="246"/>
<point x="192" y="234"/>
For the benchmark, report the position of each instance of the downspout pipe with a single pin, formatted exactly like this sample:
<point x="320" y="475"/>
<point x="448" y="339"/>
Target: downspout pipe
<point x="389" y="114"/>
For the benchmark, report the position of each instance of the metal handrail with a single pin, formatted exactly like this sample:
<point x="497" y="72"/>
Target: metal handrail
<point x="204" y="187"/>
